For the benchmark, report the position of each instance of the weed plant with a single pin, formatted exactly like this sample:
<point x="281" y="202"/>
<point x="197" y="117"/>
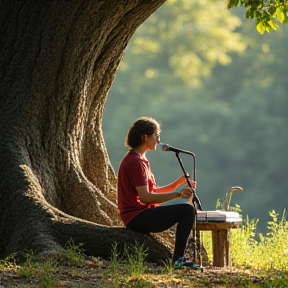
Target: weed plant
<point x="115" y="259"/>
<point x="73" y="254"/>
<point x="39" y="272"/>
<point x="258" y="251"/>
<point x="29" y="266"/>
<point x="8" y="262"/>
<point x="136" y="256"/>
<point x="46" y="278"/>
<point x="168" y="267"/>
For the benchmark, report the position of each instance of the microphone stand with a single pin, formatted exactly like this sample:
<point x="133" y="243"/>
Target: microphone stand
<point x="196" y="202"/>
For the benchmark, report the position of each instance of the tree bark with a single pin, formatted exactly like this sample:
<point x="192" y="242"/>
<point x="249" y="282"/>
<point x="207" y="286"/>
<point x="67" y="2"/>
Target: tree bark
<point x="58" y="60"/>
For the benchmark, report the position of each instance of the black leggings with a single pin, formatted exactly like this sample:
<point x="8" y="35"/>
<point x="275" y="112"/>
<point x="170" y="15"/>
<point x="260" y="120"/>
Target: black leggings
<point x="161" y="218"/>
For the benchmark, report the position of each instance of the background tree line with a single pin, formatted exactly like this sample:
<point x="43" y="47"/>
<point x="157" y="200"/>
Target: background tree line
<point x="219" y="88"/>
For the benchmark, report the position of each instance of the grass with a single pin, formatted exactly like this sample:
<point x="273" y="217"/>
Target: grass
<point x="258" y="261"/>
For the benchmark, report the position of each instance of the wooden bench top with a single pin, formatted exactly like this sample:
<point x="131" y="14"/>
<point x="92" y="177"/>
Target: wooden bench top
<point x="211" y="226"/>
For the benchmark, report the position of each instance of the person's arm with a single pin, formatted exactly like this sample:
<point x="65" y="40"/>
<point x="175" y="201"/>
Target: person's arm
<point x="147" y="198"/>
<point x="174" y="185"/>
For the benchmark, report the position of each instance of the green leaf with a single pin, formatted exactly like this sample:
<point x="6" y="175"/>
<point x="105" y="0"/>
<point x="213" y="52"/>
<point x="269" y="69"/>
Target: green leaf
<point x="249" y="14"/>
<point x="280" y="16"/>
<point x="260" y="27"/>
<point x="273" y="25"/>
<point x="232" y="3"/>
<point x="267" y="28"/>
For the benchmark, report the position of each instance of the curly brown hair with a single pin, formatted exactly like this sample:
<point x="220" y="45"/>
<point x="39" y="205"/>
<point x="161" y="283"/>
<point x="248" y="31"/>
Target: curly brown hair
<point x="142" y="126"/>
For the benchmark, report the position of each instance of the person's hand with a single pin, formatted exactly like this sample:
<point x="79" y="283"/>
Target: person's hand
<point x="182" y="181"/>
<point x="186" y="193"/>
<point x="193" y="184"/>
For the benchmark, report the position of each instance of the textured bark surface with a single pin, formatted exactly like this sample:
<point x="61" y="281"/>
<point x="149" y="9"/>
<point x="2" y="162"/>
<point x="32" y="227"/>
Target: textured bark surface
<point x="58" y="60"/>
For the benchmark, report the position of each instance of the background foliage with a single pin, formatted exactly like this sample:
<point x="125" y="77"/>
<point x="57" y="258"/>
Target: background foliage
<point x="219" y="89"/>
<point x="268" y="13"/>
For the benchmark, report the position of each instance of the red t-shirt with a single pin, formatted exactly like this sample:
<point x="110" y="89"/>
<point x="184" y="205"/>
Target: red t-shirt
<point x="134" y="171"/>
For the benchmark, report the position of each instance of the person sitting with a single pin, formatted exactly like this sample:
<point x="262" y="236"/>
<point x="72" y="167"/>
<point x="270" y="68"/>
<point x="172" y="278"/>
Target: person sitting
<point x="139" y="199"/>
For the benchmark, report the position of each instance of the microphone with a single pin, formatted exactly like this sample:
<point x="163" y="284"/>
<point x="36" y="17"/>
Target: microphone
<point x="167" y="147"/>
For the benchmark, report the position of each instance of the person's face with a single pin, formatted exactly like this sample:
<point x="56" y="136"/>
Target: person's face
<point x="153" y="140"/>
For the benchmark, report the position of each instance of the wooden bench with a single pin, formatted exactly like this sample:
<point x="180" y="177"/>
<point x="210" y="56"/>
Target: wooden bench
<point x="220" y="240"/>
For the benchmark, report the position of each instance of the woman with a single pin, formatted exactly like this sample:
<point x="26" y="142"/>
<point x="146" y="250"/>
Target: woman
<point x="139" y="198"/>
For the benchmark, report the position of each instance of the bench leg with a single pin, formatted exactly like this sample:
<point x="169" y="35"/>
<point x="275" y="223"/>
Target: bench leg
<point x="221" y="251"/>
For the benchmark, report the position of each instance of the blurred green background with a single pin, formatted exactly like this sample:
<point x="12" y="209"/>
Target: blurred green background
<point x="220" y="90"/>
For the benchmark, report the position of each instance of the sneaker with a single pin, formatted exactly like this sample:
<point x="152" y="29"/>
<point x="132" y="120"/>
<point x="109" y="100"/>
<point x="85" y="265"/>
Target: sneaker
<point x="183" y="262"/>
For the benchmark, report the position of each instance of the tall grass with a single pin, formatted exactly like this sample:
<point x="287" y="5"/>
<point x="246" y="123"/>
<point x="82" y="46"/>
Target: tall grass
<point x="135" y="257"/>
<point x="252" y="250"/>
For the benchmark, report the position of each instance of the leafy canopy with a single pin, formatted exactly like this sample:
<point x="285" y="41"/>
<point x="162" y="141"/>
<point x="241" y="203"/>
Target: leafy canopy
<point x="266" y="12"/>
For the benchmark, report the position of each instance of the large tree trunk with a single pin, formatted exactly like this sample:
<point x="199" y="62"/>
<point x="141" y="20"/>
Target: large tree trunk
<point x="58" y="60"/>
